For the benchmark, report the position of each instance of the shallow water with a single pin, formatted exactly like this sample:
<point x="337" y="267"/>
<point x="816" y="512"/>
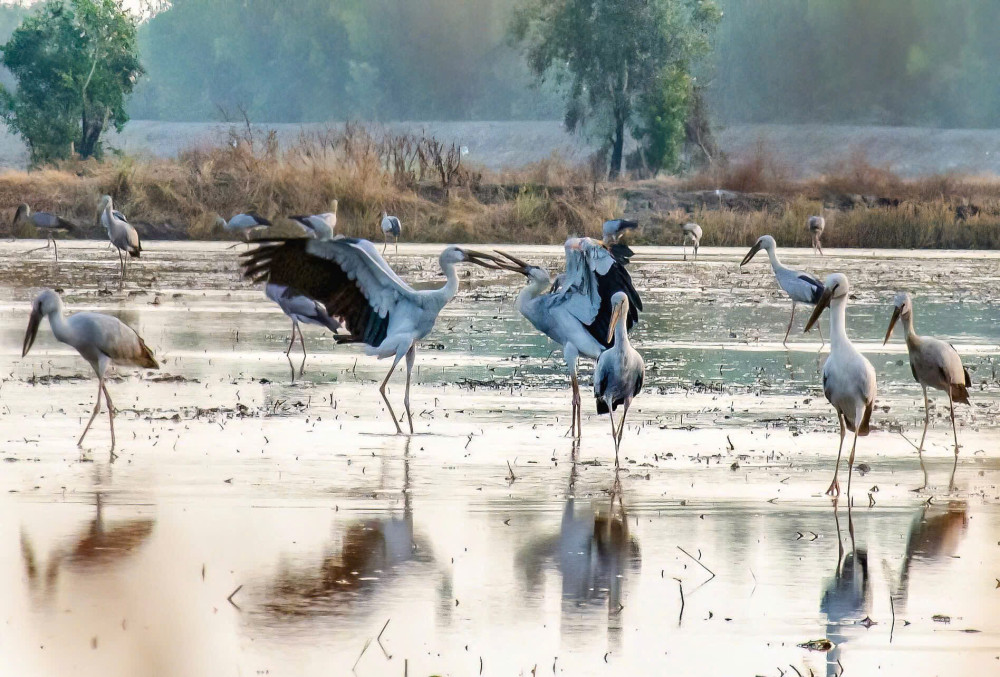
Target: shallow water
<point x="232" y="474"/>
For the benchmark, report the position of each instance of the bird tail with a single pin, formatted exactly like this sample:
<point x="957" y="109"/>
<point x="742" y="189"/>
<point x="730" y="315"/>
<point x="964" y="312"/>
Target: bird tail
<point x="146" y="358"/>
<point x="960" y="393"/>
<point x="863" y="429"/>
<point x="68" y="225"/>
<point x="602" y="406"/>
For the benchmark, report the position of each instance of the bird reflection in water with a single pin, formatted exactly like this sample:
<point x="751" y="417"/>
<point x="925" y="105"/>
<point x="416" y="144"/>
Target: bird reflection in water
<point x="595" y="554"/>
<point x="372" y="553"/>
<point x="935" y="535"/>
<point x="100" y="546"/>
<point x="847" y="598"/>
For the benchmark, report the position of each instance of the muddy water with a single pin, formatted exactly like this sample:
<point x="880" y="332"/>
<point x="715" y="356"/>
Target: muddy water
<point x="712" y="550"/>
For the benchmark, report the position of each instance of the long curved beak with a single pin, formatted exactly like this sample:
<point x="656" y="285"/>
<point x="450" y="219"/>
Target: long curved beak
<point x="502" y="261"/>
<point x="824" y="302"/>
<point x="481" y="258"/>
<point x="29" y="335"/>
<point x="892" y="324"/>
<point x="615" y="316"/>
<point x="750" y="254"/>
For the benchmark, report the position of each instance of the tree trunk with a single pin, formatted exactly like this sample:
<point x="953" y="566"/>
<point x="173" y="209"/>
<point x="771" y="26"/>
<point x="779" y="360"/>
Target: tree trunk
<point x="618" y="145"/>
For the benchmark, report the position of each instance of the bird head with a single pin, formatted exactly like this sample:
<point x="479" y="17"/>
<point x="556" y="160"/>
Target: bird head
<point x="765" y="242"/>
<point x="384" y="213"/>
<point x="836" y="287"/>
<point x="903" y="309"/>
<point x="45" y="303"/>
<point x="619" y="310"/>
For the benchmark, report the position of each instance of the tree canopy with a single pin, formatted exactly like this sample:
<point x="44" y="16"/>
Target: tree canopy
<point x="75" y="63"/>
<point x="625" y="65"/>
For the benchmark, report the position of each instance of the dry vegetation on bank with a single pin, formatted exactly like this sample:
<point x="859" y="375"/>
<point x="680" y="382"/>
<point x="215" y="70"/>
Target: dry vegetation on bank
<point x="439" y="199"/>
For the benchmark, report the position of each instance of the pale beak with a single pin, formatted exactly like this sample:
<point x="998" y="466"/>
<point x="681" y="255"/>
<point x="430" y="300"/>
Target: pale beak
<point x="892" y="324"/>
<point x="29" y="335"/>
<point x="824" y="302"/>
<point x="615" y="316"/>
<point x="750" y="254"/>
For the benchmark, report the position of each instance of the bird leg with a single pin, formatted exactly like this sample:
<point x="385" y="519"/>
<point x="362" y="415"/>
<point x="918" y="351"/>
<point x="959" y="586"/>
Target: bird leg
<point x="396" y="242"/>
<point x="819" y="327"/>
<point x="685" y="249"/>
<point x="574" y="428"/>
<point x="291" y="341"/>
<point x="385" y="240"/>
<point x="55" y="246"/>
<point x="399" y="356"/>
<point x="97" y="410"/>
<point x="850" y="460"/>
<point x="411" y="355"/>
<point x="621" y="425"/>
<point x="784" y="341"/>
<point x="111" y="415"/>
<point x="920" y="449"/>
<point x="614" y="433"/>
<point x="834" y="489"/>
<point x="954" y="467"/>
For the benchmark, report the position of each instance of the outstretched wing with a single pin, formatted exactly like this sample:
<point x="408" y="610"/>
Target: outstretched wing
<point x="347" y="276"/>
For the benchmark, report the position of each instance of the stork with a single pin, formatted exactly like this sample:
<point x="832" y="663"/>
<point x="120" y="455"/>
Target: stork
<point x="121" y="233"/>
<point x="390" y="226"/>
<point x="303" y="309"/>
<point x="800" y="287"/>
<point x="848" y="377"/>
<point x="816" y="224"/>
<point x="691" y="236"/>
<point x="614" y="229"/>
<point x="354" y="283"/>
<point x="102" y="340"/>
<point x="244" y="224"/>
<point x="321" y="226"/>
<point x="44" y="222"/>
<point x="934" y="364"/>
<point x="577" y="312"/>
<point x="620" y="370"/>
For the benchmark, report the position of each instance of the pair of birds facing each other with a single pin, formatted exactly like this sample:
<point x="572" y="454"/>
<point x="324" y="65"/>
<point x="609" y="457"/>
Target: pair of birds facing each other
<point x="849" y="380"/>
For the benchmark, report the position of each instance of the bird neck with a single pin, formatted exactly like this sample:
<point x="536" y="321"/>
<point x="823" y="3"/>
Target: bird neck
<point x="533" y="290"/>
<point x="450" y="287"/>
<point x="621" y="331"/>
<point x="838" y="323"/>
<point x="57" y="321"/>
<point x="776" y="264"/>
<point x="908" y="332"/>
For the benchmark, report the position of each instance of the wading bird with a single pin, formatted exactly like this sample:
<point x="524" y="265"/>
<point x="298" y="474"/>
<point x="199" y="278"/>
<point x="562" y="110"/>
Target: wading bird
<point x="817" y="224"/>
<point x="933" y="363"/>
<point x="320" y="225"/>
<point x="43" y="222"/>
<point x="300" y="308"/>
<point x="692" y="236"/>
<point x="390" y="226"/>
<point x="800" y="287"/>
<point x="576" y="313"/>
<point x="100" y="339"/>
<point x="121" y="233"/>
<point x="244" y="224"/>
<point x="614" y="229"/>
<point x="620" y="370"/>
<point x="352" y="280"/>
<point x="848" y="377"/>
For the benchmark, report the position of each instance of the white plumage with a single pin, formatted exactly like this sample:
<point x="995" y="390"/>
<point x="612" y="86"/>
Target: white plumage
<point x="121" y="233"/>
<point x="100" y="339"/>
<point x="614" y="229"/>
<point x="300" y="308"/>
<point x="800" y="287"/>
<point x="356" y="285"/>
<point x="934" y="364"/>
<point x="849" y="382"/>
<point x="620" y="370"/>
<point x="244" y="224"/>
<point x="691" y="236"/>
<point x="321" y="226"/>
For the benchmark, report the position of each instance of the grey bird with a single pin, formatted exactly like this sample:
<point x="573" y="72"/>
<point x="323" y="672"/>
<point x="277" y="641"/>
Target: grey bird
<point x="390" y="226"/>
<point x="321" y="226"/>
<point x="46" y="223"/>
<point x="620" y="370"/>
<point x="691" y="236"/>
<point x="934" y="364"/>
<point x="300" y="308"/>
<point x="816" y="225"/>
<point x="102" y="340"/>
<point x="614" y="229"/>
<point x="121" y="233"/>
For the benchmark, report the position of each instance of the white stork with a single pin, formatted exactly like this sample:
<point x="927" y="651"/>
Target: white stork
<point x="620" y="370"/>
<point x="800" y="287"/>
<point x="354" y="283"/>
<point x="320" y="225"/>
<point x="848" y="377"/>
<point x="121" y="233"/>
<point x="614" y="229"/>
<point x="100" y="339"/>
<point x="302" y="309"/>
<point x="390" y="226"/>
<point x="691" y="236"/>
<point x="44" y="222"/>
<point x="816" y="225"/>
<point x="577" y="312"/>
<point x="933" y="363"/>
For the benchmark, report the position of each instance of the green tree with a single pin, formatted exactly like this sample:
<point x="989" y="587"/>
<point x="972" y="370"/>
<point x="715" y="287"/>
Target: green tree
<point x="618" y="59"/>
<point x="75" y="63"/>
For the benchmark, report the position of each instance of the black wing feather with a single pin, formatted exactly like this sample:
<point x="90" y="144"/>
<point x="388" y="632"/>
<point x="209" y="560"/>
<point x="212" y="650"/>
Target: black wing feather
<point x="286" y="262"/>
<point x="817" y="287"/>
<point x="616" y="280"/>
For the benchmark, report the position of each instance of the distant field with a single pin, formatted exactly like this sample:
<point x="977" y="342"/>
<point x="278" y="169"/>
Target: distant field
<point x="805" y="150"/>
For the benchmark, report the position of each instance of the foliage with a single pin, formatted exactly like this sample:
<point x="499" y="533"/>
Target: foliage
<point x="75" y="62"/>
<point x="619" y="60"/>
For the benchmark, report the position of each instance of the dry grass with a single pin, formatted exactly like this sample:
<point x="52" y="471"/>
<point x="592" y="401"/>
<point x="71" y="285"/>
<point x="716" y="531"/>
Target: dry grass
<point x="546" y="202"/>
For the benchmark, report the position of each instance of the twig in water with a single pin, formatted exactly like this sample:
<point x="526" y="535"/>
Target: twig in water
<point x="379" y="639"/>
<point x="680" y="616"/>
<point x="893" y="610"/>
<point x="796" y="670"/>
<point x="363" y="650"/>
<point x="698" y="561"/>
<point x="233" y="594"/>
<point x="511" y="477"/>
